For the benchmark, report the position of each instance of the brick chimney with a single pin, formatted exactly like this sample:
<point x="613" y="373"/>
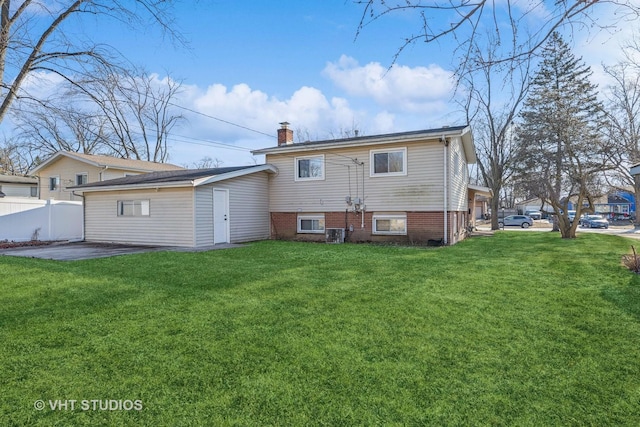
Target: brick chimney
<point x="285" y="135"/>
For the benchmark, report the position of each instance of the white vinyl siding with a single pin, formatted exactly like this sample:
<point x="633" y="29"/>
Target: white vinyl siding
<point x="309" y="168"/>
<point x="458" y="177"/>
<point x="347" y="171"/>
<point x="170" y="222"/>
<point x="249" y="218"/>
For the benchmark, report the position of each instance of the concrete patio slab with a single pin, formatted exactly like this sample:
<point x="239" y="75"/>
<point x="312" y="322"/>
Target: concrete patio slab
<point x="86" y="250"/>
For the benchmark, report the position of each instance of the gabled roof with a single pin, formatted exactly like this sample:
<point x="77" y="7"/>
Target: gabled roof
<point x="463" y="131"/>
<point x="109" y="162"/>
<point x="177" y="178"/>
<point x="17" y="179"/>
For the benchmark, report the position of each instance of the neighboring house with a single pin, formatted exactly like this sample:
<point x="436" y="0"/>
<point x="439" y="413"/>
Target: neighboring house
<point x="189" y="207"/>
<point x="617" y="205"/>
<point x="66" y="169"/>
<point x="404" y="187"/>
<point x="18" y="186"/>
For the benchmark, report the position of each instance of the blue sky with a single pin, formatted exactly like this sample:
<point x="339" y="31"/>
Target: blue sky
<point x="256" y="63"/>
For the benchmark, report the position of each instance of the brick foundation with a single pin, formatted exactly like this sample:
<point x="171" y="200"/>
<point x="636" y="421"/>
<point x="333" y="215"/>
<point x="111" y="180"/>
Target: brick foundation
<point x="422" y="227"/>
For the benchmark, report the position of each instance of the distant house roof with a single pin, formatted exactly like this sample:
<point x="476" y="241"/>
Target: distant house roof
<point x="176" y="178"/>
<point x="110" y="162"/>
<point x="18" y="179"/>
<point x="463" y="131"/>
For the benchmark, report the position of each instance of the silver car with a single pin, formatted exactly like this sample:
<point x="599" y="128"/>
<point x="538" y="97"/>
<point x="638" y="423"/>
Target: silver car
<point x="516" y="220"/>
<point x="594" y="221"/>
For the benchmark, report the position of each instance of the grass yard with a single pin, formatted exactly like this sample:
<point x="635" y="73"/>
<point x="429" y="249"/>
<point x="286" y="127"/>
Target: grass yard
<point x="517" y="329"/>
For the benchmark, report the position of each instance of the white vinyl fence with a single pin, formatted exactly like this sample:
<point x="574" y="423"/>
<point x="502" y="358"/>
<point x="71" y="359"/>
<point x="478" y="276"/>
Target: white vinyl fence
<point x="23" y="219"/>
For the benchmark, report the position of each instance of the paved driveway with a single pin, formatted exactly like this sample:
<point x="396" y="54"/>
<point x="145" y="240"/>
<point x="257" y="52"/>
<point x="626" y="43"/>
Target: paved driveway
<point x="86" y="250"/>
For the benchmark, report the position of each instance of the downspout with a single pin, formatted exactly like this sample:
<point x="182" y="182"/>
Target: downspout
<point x="444" y="141"/>
<point x="103" y="169"/>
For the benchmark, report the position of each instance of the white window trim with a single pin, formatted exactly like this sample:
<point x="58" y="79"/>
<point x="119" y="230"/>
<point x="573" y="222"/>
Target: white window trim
<point x="311" y="217"/>
<point x="372" y="173"/>
<point x="145" y="210"/>
<point x="313" y="178"/>
<point x="58" y="183"/>
<point x="81" y="173"/>
<point x="384" y="217"/>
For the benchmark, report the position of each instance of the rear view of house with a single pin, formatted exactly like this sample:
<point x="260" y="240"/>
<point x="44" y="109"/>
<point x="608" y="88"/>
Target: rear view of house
<point x="404" y="187"/>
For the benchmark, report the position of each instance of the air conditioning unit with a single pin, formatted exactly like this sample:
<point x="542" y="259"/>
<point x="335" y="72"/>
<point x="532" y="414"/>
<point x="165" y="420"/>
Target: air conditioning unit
<point x="334" y="235"/>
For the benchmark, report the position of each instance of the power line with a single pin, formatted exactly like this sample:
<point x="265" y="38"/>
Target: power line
<point x="221" y="120"/>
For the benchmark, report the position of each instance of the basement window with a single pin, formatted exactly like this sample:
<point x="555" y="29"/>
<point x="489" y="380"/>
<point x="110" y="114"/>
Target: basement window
<point x="133" y="207"/>
<point x="311" y="224"/>
<point x="390" y="224"/>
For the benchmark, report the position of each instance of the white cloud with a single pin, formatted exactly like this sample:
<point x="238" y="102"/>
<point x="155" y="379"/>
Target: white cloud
<point x="404" y="88"/>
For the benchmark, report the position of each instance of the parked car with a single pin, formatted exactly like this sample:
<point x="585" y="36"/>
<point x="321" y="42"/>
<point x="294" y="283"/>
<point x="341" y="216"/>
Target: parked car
<point x="523" y="221"/>
<point x="534" y="214"/>
<point x="594" y="221"/>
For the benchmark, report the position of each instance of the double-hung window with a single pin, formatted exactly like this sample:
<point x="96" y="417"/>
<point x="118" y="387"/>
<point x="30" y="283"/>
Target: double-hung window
<point x="309" y="168"/>
<point x="388" y="162"/>
<point x="81" y="178"/>
<point x="133" y="207"/>
<point x="310" y="223"/>
<point x="390" y="224"/>
<point x="54" y="183"/>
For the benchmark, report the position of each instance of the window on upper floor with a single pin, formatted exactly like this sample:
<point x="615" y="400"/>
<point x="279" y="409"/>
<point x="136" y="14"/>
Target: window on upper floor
<point x="388" y="162"/>
<point x="309" y="168"/>
<point x="310" y="223"/>
<point x="54" y="183"/>
<point x="81" y="178"/>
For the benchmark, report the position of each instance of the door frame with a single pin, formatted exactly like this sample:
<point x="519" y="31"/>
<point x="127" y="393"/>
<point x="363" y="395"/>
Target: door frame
<point x="226" y="213"/>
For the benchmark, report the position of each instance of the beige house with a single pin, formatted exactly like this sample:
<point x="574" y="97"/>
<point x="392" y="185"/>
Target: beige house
<point x="408" y="187"/>
<point x="189" y="207"/>
<point x="18" y="186"/>
<point x="66" y="169"/>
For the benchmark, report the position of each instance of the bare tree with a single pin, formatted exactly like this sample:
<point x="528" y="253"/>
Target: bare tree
<point x="207" y="163"/>
<point x="32" y="37"/>
<point x="138" y="109"/>
<point x="129" y="115"/>
<point x="467" y="22"/>
<point x="623" y="117"/>
<point x="44" y="131"/>
<point x="496" y="92"/>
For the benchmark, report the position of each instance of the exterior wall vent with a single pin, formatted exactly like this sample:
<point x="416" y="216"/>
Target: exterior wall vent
<point x="334" y="235"/>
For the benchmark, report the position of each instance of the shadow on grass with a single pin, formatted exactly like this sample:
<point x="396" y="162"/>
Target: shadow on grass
<point x="626" y="297"/>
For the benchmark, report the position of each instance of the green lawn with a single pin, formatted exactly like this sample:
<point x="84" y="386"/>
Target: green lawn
<point x="516" y="329"/>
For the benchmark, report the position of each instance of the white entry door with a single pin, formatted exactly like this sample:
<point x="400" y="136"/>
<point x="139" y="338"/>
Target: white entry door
<point x="220" y="216"/>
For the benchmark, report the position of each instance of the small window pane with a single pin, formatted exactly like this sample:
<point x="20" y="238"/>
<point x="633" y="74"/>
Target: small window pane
<point x="34" y="191"/>
<point x="381" y="163"/>
<point x="396" y="161"/>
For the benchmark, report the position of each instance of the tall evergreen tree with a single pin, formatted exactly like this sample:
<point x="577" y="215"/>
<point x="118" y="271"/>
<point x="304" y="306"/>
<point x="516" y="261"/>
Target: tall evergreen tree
<point x="561" y="149"/>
